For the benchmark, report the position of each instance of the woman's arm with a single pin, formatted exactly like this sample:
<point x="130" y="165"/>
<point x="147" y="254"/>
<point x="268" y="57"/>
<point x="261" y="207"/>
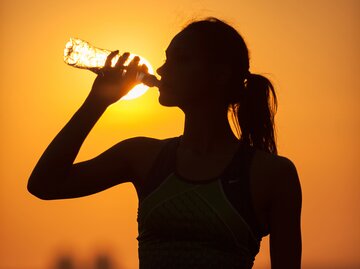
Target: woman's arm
<point x="285" y="217"/>
<point x="54" y="175"/>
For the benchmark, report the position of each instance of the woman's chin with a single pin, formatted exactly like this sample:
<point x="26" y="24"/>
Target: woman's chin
<point x="166" y="101"/>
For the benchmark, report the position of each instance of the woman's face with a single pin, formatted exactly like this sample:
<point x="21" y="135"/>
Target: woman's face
<point x="186" y="75"/>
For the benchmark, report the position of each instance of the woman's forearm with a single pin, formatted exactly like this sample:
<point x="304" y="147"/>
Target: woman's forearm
<point x="59" y="156"/>
<point x="57" y="160"/>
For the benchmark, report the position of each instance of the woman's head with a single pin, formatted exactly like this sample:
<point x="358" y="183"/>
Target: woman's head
<point x="208" y="64"/>
<point x="204" y="61"/>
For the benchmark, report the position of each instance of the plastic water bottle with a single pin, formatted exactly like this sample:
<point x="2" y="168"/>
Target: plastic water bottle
<point x="82" y="54"/>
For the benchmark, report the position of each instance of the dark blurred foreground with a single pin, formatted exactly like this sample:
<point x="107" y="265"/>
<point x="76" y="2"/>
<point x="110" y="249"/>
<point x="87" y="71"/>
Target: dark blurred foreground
<point x="98" y="261"/>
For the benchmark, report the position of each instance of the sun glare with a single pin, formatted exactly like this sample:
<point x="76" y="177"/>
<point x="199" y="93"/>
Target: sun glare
<point x="139" y="89"/>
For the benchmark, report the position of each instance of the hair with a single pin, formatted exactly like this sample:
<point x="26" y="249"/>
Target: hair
<point x="248" y="94"/>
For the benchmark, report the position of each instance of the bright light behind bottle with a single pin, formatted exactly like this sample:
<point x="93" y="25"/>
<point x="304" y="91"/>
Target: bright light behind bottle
<point x="139" y="89"/>
<point x="81" y="54"/>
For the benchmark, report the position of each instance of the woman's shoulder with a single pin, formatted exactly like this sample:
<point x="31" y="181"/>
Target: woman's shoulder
<point x="144" y="143"/>
<point x="143" y="151"/>
<point x="278" y="172"/>
<point x="272" y="162"/>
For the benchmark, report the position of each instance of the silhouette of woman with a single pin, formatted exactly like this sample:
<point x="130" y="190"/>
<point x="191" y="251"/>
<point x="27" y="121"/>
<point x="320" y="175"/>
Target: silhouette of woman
<point x="206" y="198"/>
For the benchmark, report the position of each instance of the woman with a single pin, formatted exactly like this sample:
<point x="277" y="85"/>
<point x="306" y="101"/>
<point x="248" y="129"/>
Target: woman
<point x="206" y="198"/>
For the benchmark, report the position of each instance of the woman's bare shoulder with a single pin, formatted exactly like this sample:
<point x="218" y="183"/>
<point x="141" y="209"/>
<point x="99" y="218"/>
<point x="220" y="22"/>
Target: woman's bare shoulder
<point x="143" y="152"/>
<point x="277" y="171"/>
<point x="145" y="145"/>
<point x="271" y="162"/>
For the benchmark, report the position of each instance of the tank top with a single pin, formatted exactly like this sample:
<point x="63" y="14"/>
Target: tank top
<point x="191" y="224"/>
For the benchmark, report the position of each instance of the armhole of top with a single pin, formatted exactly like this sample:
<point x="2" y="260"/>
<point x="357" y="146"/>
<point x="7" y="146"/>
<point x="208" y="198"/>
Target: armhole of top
<point x="239" y="193"/>
<point x="163" y="164"/>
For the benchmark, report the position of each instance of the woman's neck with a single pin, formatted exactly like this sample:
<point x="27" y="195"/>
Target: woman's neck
<point x="208" y="132"/>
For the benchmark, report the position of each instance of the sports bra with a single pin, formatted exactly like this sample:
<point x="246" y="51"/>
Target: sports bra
<point x="191" y="224"/>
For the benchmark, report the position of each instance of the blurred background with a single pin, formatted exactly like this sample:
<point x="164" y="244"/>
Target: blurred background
<point x="310" y="51"/>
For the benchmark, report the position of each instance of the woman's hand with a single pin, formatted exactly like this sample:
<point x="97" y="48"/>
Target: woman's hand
<point x="112" y="83"/>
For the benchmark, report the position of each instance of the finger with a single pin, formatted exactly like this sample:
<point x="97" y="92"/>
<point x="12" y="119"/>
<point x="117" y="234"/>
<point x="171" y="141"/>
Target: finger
<point x="122" y="59"/>
<point x="143" y="71"/>
<point x="144" y="68"/>
<point x="134" y="62"/>
<point x="133" y="66"/>
<point x="110" y="57"/>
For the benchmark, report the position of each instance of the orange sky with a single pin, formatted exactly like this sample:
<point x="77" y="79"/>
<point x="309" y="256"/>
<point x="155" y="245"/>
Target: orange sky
<point x="309" y="49"/>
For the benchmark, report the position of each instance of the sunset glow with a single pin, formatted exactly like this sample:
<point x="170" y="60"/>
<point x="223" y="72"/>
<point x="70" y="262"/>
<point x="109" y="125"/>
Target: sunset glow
<point x="308" y="49"/>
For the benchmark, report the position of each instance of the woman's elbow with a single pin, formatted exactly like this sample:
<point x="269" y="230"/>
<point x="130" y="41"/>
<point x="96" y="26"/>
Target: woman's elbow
<point x="38" y="189"/>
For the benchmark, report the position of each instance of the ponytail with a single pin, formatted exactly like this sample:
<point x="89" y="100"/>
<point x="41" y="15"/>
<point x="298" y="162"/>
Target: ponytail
<point x="249" y="102"/>
<point x="255" y="114"/>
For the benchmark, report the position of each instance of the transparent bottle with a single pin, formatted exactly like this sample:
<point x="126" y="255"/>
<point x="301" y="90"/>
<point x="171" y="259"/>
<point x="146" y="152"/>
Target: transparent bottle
<point x="82" y="54"/>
